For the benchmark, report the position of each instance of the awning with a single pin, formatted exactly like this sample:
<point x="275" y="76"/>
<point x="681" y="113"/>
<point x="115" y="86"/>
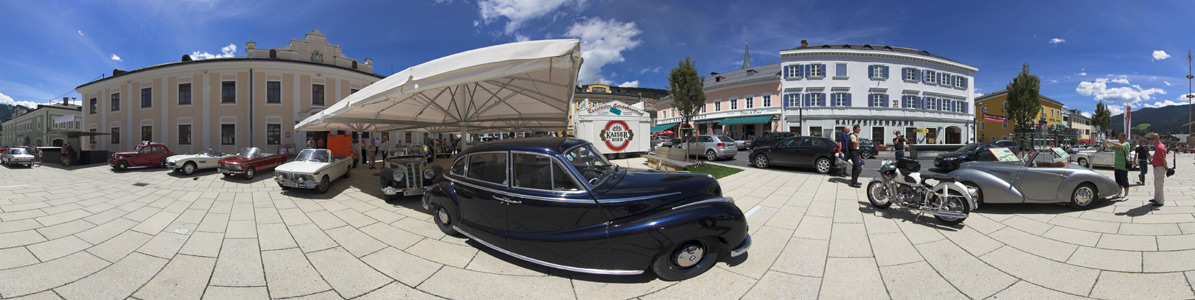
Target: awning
<point x="659" y="128"/>
<point x="746" y="120"/>
<point x="707" y="121"/>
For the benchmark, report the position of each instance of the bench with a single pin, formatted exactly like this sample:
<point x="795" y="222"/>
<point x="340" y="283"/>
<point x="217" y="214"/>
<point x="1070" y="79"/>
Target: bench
<point x="669" y="159"/>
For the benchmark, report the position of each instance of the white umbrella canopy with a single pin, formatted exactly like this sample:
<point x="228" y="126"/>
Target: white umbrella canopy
<point x="523" y="85"/>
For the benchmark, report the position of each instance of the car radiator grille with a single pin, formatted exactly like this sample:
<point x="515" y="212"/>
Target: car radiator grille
<point x="412" y="178"/>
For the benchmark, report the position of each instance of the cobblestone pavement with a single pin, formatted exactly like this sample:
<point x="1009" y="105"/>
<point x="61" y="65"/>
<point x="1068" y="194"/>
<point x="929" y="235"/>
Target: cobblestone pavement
<point x="90" y="233"/>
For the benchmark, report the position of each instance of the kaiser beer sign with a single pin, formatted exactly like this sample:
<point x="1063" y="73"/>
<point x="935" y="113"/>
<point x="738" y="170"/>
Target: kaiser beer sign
<point x="617" y="135"/>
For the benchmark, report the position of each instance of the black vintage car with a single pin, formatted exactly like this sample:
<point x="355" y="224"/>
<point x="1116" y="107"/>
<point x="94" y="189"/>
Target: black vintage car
<point x="406" y="173"/>
<point x="971" y="152"/>
<point x="797" y="151"/>
<point x="558" y="203"/>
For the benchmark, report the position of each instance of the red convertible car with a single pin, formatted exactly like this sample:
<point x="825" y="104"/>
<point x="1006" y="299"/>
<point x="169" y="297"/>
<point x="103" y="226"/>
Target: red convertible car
<point x="147" y="154"/>
<point x="249" y="162"/>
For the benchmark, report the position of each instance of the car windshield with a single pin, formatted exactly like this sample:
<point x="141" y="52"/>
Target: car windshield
<point x="18" y="151"/>
<point x="591" y="164"/>
<point x="313" y="155"/>
<point x="969" y="147"/>
<point x="415" y="150"/>
<point x="210" y="152"/>
<point x="250" y="152"/>
<point x="726" y="139"/>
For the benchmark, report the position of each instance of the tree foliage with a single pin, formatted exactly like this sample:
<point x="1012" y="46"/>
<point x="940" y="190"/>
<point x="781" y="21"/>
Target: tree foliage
<point x="1102" y="117"/>
<point x="1024" y="103"/>
<point x="684" y="85"/>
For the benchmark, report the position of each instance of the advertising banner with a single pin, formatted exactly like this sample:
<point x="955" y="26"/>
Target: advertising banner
<point x="994" y="118"/>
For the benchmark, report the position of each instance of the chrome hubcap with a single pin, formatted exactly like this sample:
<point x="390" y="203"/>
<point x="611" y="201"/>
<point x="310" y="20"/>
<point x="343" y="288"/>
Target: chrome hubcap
<point x="1084" y="195"/>
<point x="710" y="155"/>
<point x="188" y="168"/>
<point x="823" y="165"/>
<point x="761" y="161"/>
<point x="443" y="215"/>
<point x="689" y="255"/>
<point x="879" y="194"/>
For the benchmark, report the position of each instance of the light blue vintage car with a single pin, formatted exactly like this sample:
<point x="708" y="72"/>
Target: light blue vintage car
<point x="1038" y="177"/>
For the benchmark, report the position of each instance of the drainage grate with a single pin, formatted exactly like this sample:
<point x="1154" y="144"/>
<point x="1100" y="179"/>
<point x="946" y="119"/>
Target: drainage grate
<point x="140" y="184"/>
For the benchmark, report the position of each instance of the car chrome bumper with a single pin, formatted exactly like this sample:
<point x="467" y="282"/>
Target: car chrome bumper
<point x="391" y="191"/>
<point x="306" y="184"/>
<point x="742" y="248"/>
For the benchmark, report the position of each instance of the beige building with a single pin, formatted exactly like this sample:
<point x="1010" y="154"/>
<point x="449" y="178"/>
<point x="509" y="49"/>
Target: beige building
<point x="223" y="103"/>
<point x="46" y="125"/>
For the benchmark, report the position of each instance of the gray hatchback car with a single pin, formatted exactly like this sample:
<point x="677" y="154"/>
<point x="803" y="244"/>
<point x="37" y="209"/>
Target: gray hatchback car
<point x="712" y="147"/>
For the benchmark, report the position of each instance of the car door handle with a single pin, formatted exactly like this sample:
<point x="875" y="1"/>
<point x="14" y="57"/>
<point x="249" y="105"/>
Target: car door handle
<point x="506" y="200"/>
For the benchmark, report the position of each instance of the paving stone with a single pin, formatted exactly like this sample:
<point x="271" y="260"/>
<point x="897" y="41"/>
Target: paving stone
<point x="274" y="236"/>
<point x="505" y="265"/>
<point x="1035" y="245"/>
<point x="164" y="245"/>
<point x="44" y="276"/>
<point x="1150" y="229"/>
<point x="348" y="275"/>
<point x="155" y="223"/>
<point x="119" y="280"/>
<point x="1117" y="285"/>
<point x="240" y="293"/>
<point x="20" y="238"/>
<point x="713" y="284"/>
<point x="392" y="236"/>
<point x="355" y="241"/>
<point x="325" y="220"/>
<point x="1105" y="259"/>
<point x="877" y="224"/>
<point x="205" y="244"/>
<point x="1169" y="261"/>
<point x="970" y="275"/>
<point x="1041" y="271"/>
<point x="919" y="233"/>
<point x="106" y="231"/>
<point x="1028" y="225"/>
<point x="893" y="249"/>
<point x="118" y="247"/>
<point x="397" y="291"/>
<point x="446" y="283"/>
<point x="1073" y="236"/>
<point x="18" y="225"/>
<point x="64" y="229"/>
<point x="928" y="284"/>
<point x="849" y="240"/>
<point x="444" y="253"/>
<point x="384" y="215"/>
<point x="1128" y="242"/>
<point x="16" y="257"/>
<point x="289" y="274"/>
<point x="241" y="230"/>
<point x="404" y="267"/>
<point x="310" y="238"/>
<point x="239" y="264"/>
<point x="1176" y="242"/>
<point x="213" y="222"/>
<point x="1025" y="290"/>
<point x="21" y="215"/>
<point x="787" y="217"/>
<point x="852" y="278"/>
<point x="294" y="217"/>
<point x="52" y="249"/>
<point x="777" y="285"/>
<point x="354" y="218"/>
<point x="184" y="277"/>
<point x="982" y="224"/>
<point x="266" y="215"/>
<point x="974" y="242"/>
<point x="812" y="227"/>
<point x="106" y="216"/>
<point x="1086" y="224"/>
<point x="767" y="243"/>
<point x="804" y="257"/>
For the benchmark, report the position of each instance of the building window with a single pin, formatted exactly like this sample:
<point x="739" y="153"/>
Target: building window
<point x="793" y="71"/>
<point x="703" y="105"/>
<point x="909" y="101"/>
<point x="147" y="133"/>
<point x="815" y="99"/>
<point x="228" y="92"/>
<point x="947" y="105"/>
<point x="767" y="100"/>
<point x="792" y="100"/>
<point x="91" y="139"/>
<point x="184" y="134"/>
<point x="981" y="125"/>
<point x="960" y="82"/>
<point x="840" y="99"/>
<point x="1004" y="125"/>
<point x="273" y="134"/>
<point x="184" y="94"/>
<point x="353" y="91"/>
<point x="317" y="94"/>
<point x="734" y="103"/>
<point x="909" y="74"/>
<point x="944" y="79"/>
<point x="115" y="135"/>
<point x="931" y="77"/>
<point x="273" y="92"/>
<point x="929" y="103"/>
<point x="817" y="70"/>
<point x="750" y="102"/>
<point x="116" y="102"/>
<point x="92" y="106"/>
<point x="717" y="105"/>
<point x="228" y="134"/>
<point x="147" y="97"/>
<point x="877" y="100"/>
<point x="840" y="70"/>
<point x="877" y="72"/>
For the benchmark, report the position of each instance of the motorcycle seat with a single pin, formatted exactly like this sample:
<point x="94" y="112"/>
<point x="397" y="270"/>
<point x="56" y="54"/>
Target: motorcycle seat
<point x="939" y="177"/>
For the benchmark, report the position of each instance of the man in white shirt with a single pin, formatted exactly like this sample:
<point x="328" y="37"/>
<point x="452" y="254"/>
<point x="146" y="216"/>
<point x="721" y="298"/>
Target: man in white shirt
<point x="386" y="147"/>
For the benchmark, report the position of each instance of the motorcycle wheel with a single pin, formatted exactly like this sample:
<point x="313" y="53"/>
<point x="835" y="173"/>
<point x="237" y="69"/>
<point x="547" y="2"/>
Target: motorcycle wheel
<point x="878" y="195"/>
<point x="955" y="202"/>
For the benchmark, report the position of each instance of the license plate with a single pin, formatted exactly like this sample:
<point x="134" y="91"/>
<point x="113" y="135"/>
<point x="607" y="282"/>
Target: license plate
<point x="412" y="192"/>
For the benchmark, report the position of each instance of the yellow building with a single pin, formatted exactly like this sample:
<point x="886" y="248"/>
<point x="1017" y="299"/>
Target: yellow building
<point x="995" y="104"/>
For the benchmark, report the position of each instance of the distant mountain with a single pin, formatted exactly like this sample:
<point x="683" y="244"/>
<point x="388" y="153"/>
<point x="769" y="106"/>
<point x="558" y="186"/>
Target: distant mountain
<point x="1167" y="119"/>
<point x="6" y="112"/>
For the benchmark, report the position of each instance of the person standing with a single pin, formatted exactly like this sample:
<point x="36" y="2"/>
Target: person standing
<point x="898" y="145"/>
<point x="37" y="155"/>
<point x="373" y="151"/>
<point x="1160" y="166"/>
<point x="363" y="142"/>
<point x="356" y="148"/>
<point x="844" y="147"/>
<point x="386" y="147"/>
<point x="1121" y="151"/>
<point x="310" y="143"/>
<point x="1142" y="160"/>
<point x="856" y="161"/>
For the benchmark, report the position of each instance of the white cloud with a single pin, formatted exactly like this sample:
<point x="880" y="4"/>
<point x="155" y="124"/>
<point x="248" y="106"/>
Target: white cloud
<point x="521" y="38"/>
<point x="116" y="58"/>
<point x="6" y="100"/>
<point x="227" y="51"/>
<point x="1166" y="82"/>
<point x="1053" y="80"/>
<point x="1125" y="94"/>
<point x="649" y="69"/>
<point x="1115" y="110"/>
<point x="1085" y="114"/>
<point x="80" y="32"/>
<point x="602" y="43"/>
<point x="1082" y="73"/>
<point x="629" y="84"/>
<point x="1164" y="103"/>
<point x="518" y="12"/>
<point x="1160" y="55"/>
<point x="1057" y="41"/>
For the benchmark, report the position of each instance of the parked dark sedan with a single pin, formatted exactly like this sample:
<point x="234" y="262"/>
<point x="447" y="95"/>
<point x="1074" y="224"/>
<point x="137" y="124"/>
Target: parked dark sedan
<point x="771" y="138"/>
<point x="969" y="152"/>
<point x="797" y="151"/>
<point x="557" y="202"/>
<point x="868" y="149"/>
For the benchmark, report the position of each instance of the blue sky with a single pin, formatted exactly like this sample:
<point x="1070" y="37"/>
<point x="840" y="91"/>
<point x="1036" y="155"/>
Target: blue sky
<point x="1116" y="51"/>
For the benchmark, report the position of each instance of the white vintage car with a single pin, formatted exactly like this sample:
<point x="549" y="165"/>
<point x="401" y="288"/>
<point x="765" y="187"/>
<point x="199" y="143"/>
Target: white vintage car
<point x="189" y="163"/>
<point x="17" y="156"/>
<point x="312" y="169"/>
<point x="1102" y="157"/>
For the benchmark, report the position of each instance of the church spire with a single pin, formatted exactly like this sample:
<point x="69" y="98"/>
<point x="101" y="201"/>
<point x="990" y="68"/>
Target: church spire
<point x="746" y="55"/>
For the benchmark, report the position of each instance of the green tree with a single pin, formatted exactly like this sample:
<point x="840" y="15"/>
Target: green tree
<point x="1024" y="105"/>
<point x="1102" y="117"/>
<point x="684" y="86"/>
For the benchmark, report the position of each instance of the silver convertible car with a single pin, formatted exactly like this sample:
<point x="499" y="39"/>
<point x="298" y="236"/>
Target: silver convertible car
<point x="1040" y="177"/>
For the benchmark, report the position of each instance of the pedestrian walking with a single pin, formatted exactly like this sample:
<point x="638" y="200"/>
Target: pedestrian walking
<point x="37" y="155"/>
<point x="1121" y="153"/>
<point x="1160" y="166"/>
<point x="1142" y="160"/>
<point x="898" y="145"/>
<point x="856" y="160"/>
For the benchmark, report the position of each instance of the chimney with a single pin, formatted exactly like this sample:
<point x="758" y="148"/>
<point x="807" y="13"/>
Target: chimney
<point x="713" y="73"/>
<point x="66" y="101"/>
<point x="804" y="43"/>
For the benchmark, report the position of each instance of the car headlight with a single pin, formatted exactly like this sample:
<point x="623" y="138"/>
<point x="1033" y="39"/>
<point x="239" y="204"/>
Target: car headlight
<point x="427" y="174"/>
<point x="398" y="176"/>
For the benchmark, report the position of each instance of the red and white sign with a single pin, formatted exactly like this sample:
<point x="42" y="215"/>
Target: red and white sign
<point x="994" y="118"/>
<point x="617" y="135"/>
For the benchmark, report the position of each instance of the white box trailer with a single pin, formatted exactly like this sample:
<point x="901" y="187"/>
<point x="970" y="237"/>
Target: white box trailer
<point x="615" y="128"/>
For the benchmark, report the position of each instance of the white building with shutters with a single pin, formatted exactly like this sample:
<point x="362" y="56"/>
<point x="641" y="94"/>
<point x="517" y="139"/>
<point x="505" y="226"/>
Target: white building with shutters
<point x="881" y="88"/>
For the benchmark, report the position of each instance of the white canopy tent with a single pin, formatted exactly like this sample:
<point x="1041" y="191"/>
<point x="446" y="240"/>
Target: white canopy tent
<point x="516" y="86"/>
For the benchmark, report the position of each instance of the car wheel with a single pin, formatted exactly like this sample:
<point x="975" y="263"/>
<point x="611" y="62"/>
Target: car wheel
<point x="761" y="161"/>
<point x="1083" y="196"/>
<point x="250" y="172"/>
<point x="324" y="185"/>
<point x="823" y="165"/>
<point x="710" y="155"/>
<point x="121" y="166"/>
<point x="346" y="173"/>
<point x="877" y="194"/>
<point x="444" y="221"/>
<point x="189" y="168"/>
<point x="685" y="260"/>
<point x="227" y="174"/>
<point x="866" y="155"/>
<point x="1083" y="162"/>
